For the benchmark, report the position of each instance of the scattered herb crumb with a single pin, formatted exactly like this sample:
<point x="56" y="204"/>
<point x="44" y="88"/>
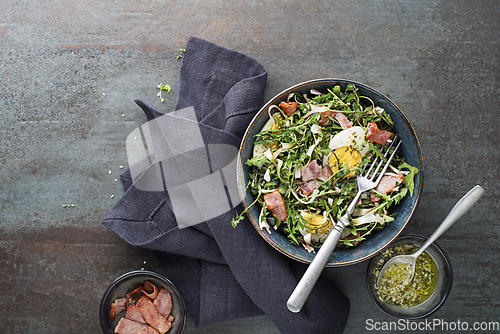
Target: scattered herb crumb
<point x="181" y="53"/>
<point x="163" y="87"/>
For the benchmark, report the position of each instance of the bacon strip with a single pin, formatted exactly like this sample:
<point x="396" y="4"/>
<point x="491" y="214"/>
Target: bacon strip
<point x="117" y="306"/>
<point x="376" y="135"/>
<point x="352" y="237"/>
<point x="308" y="187"/>
<point x="275" y="203"/>
<point x="387" y="183"/>
<point x="147" y="330"/>
<point x="344" y="122"/>
<point x="163" y="302"/>
<point x="310" y="171"/>
<point x="152" y="316"/>
<point x="288" y="107"/>
<point x="325" y="173"/>
<point x="150" y="290"/>
<point x="127" y="326"/>
<point x="134" y="314"/>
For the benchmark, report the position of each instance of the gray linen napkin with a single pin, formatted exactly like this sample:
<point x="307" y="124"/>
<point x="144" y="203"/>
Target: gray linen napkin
<point x="223" y="273"/>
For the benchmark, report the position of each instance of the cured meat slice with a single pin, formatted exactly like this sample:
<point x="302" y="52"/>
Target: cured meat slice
<point x="344" y="122"/>
<point x="275" y="203"/>
<point x="288" y="107"/>
<point x="137" y="290"/>
<point x="352" y="237"/>
<point x="324" y="120"/>
<point x="308" y="187"/>
<point x="325" y="173"/>
<point x="117" y="306"/>
<point x="147" y="330"/>
<point x="152" y="316"/>
<point x="387" y="183"/>
<point x="163" y="302"/>
<point x="374" y="134"/>
<point x="134" y="314"/>
<point x="147" y="315"/>
<point x="150" y="290"/>
<point x="310" y="171"/>
<point x="127" y="326"/>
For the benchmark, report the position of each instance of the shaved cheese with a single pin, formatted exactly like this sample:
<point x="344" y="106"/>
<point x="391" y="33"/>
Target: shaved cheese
<point x="361" y="212"/>
<point x="368" y="218"/>
<point x="269" y="155"/>
<point x="315" y="128"/>
<point x="310" y="150"/>
<point x="280" y="163"/>
<point x="277" y="152"/>
<point x="298" y="172"/>
<point x="267" y="175"/>
<point x="263" y="222"/>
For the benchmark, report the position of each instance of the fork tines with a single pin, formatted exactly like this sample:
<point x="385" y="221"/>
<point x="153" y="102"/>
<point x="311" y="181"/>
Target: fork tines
<point x="396" y="142"/>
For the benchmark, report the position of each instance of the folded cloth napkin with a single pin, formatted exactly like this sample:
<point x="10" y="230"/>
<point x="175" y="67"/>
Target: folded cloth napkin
<point x="223" y="273"/>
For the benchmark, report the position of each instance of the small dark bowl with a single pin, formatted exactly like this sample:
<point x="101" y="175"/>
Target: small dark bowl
<point x="437" y="298"/>
<point x="410" y="149"/>
<point x="132" y="280"/>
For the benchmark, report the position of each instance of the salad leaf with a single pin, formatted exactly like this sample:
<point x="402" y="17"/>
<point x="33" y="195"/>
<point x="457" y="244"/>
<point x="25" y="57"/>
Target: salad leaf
<point x="409" y="179"/>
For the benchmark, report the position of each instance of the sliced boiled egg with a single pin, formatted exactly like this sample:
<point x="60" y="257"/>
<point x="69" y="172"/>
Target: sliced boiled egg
<point x="353" y="137"/>
<point x="259" y="149"/>
<point x="345" y="156"/>
<point x="316" y="227"/>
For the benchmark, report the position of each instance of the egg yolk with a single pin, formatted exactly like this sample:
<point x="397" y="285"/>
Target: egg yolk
<point x="316" y="224"/>
<point x="274" y="126"/>
<point x="345" y="156"/>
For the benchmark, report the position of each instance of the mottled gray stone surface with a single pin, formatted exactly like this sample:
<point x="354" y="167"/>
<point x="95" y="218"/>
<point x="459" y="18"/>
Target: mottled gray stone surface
<point x="69" y="72"/>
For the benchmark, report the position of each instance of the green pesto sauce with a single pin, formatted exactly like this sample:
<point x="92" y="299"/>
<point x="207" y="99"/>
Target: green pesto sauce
<point x="395" y="286"/>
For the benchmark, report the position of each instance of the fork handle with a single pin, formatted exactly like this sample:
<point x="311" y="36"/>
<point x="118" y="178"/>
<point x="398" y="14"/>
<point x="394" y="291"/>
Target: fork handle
<point x="350" y="209"/>
<point x="308" y="280"/>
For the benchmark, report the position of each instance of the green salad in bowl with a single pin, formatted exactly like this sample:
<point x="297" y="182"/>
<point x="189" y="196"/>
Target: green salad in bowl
<point x="300" y="157"/>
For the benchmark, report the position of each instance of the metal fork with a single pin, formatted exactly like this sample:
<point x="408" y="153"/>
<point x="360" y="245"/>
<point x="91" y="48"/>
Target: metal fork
<point x="366" y="181"/>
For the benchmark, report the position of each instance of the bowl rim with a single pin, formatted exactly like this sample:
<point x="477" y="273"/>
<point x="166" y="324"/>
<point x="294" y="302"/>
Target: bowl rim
<point x="133" y="273"/>
<point x="447" y="289"/>
<point x="263" y="109"/>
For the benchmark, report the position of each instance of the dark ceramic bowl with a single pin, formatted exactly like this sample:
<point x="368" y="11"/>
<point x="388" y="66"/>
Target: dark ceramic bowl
<point x="410" y="149"/>
<point x="132" y="280"/>
<point x="437" y="298"/>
